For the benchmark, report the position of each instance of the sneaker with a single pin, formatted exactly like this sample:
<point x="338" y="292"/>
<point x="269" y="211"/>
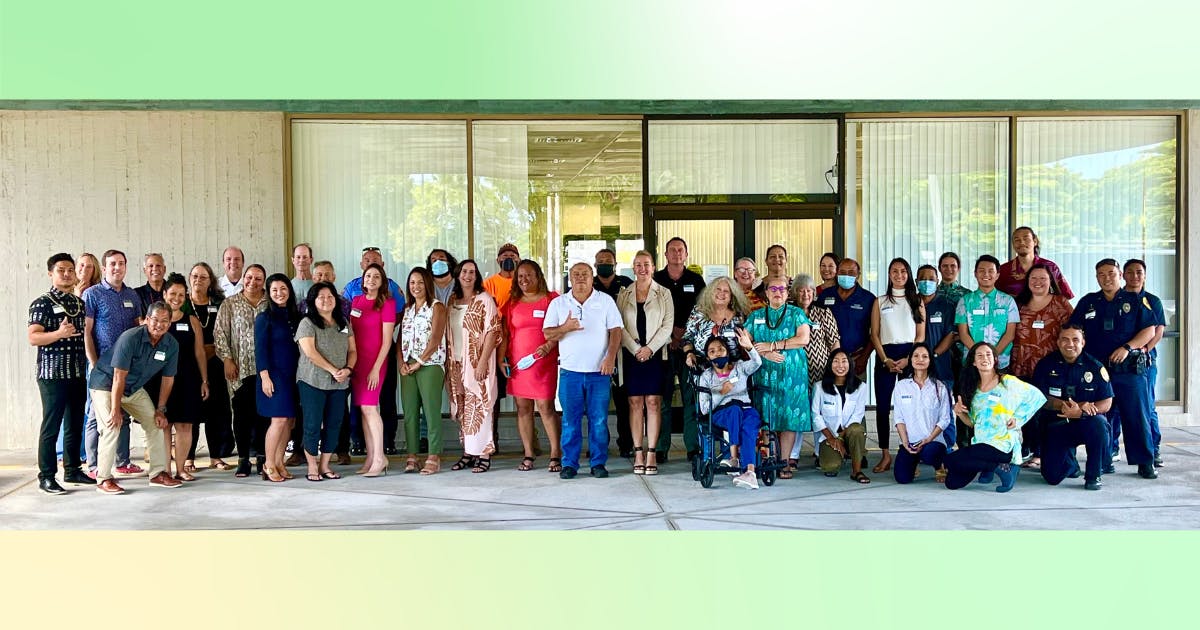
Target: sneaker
<point x="108" y="486"/>
<point x="91" y="473"/>
<point x="1110" y="470"/>
<point x="1116" y="456"/>
<point x="599" y="472"/>
<point x="50" y="486"/>
<point x="1146" y="471"/>
<point x="746" y="480"/>
<point x="130" y="469"/>
<point x="1008" y="476"/>
<point x="1158" y="462"/>
<point x="80" y="477"/>
<point x="163" y="480"/>
<point x="567" y="473"/>
<point x="291" y="446"/>
<point x="1092" y="484"/>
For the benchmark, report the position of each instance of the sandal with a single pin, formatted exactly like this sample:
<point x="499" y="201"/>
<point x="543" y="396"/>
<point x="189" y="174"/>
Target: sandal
<point x="526" y="464"/>
<point x="482" y="465"/>
<point x="313" y="477"/>
<point x="883" y="466"/>
<point x="329" y="474"/>
<point x="410" y="466"/>
<point x="185" y="476"/>
<point x="860" y="477"/>
<point x="466" y="461"/>
<point x="638" y="469"/>
<point x="189" y="466"/>
<point x="219" y="465"/>
<point x="792" y="464"/>
<point x="283" y="472"/>
<point x="555" y="465"/>
<point x="1034" y="463"/>
<point x="651" y="456"/>
<point x="432" y="466"/>
<point x="785" y="474"/>
<point x="940" y="474"/>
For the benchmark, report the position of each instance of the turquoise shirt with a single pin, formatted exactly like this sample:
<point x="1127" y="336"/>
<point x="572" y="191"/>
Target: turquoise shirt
<point x="987" y="315"/>
<point x="991" y="411"/>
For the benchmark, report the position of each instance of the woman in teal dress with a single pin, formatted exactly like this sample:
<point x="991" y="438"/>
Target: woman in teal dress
<point x="780" y="331"/>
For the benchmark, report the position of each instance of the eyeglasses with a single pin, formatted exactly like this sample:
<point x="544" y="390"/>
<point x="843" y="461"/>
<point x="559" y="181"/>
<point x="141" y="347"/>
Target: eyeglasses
<point x="370" y="249"/>
<point x="746" y="270"/>
<point x="777" y="289"/>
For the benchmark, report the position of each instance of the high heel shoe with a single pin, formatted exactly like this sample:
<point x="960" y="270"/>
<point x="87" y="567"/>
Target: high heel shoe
<point x="382" y="472"/>
<point x="272" y="475"/>
<point x="259" y="463"/>
<point x="243" y="467"/>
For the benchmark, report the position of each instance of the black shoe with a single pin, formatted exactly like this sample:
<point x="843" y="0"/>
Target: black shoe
<point x="567" y="473"/>
<point x="599" y="472"/>
<point x="1092" y="484"/>
<point x="627" y="454"/>
<point x="1158" y="462"/>
<point x="78" y="476"/>
<point x="1074" y="474"/>
<point x="692" y="455"/>
<point x="660" y="457"/>
<point x="1110" y="469"/>
<point x="424" y="446"/>
<point x="391" y="450"/>
<point x="243" y="468"/>
<point x="258" y="465"/>
<point x="1146" y="471"/>
<point x="50" y="486"/>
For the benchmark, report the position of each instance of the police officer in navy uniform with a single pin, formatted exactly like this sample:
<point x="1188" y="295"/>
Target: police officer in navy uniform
<point x="1077" y="395"/>
<point x="1118" y="326"/>
<point x="1135" y="282"/>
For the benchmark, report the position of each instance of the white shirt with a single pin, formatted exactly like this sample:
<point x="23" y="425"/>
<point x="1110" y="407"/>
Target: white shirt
<point x="920" y="409"/>
<point x="896" y="323"/>
<point x="230" y="288"/>
<point x="583" y="350"/>
<point x="828" y="412"/>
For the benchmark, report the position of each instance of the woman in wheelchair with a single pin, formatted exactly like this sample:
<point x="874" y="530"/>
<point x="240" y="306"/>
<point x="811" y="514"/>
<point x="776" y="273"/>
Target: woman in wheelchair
<point x="728" y="380"/>
<point x="839" y="406"/>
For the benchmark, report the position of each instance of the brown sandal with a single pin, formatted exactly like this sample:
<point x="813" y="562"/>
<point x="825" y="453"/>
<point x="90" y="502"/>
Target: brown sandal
<point x="555" y="465"/>
<point x="432" y="465"/>
<point x="410" y="466"/>
<point x="526" y="464"/>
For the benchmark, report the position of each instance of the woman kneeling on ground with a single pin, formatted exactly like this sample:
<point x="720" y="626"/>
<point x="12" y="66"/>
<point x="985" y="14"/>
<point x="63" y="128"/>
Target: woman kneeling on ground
<point x="922" y="412"/>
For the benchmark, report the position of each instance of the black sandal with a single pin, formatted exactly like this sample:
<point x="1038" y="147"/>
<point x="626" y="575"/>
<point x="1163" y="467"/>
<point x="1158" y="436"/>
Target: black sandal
<point x="651" y="456"/>
<point x="639" y="469"/>
<point x="526" y="464"/>
<point x="482" y="465"/>
<point x="466" y="461"/>
<point x="555" y="465"/>
<point x="313" y="477"/>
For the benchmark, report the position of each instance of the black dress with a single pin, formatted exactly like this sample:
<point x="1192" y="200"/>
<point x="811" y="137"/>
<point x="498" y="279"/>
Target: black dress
<point x="185" y="403"/>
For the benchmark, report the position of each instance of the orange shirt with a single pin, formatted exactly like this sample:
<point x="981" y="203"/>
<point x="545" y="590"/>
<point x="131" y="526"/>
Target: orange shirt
<point x="500" y="288"/>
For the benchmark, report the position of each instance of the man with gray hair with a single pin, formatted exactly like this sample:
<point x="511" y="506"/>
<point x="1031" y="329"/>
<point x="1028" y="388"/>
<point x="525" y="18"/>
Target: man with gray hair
<point x="117" y="383"/>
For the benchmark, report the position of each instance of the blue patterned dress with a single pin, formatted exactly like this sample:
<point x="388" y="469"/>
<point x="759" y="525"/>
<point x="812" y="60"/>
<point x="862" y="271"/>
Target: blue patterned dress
<point x="783" y="401"/>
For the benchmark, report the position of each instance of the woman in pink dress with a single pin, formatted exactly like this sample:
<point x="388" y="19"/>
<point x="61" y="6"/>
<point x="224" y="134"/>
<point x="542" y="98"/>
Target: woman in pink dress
<point x="531" y="360"/>
<point x="472" y="335"/>
<point x="373" y="318"/>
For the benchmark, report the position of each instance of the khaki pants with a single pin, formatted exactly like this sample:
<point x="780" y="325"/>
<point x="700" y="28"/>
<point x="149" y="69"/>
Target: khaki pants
<point x="141" y="409"/>
<point x="855" y="439"/>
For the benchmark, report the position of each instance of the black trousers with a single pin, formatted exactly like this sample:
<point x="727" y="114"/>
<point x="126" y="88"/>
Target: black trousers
<point x="965" y="463"/>
<point x="620" y="398"/>
<point x="1060" y="440"/>
<point x="249" y="428"/>
<point x="62" y="407"/>
<point x="217" y="415"/>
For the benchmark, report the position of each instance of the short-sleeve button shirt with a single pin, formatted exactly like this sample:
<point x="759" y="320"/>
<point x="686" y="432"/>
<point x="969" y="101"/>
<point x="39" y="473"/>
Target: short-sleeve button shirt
<point x="64" y="358"/>
<point x="1159" y="315"/>
<point x="134" y="353"/>
<point x="853" y="315"/>
<point x="1109" y="324"/>
<point x="112" y="312"/>
<point x="1085" y="380"/>
<point x="987" y="315"/>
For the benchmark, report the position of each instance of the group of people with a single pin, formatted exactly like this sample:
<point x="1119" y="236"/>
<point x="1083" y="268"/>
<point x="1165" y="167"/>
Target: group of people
<point x="974" y="383"/>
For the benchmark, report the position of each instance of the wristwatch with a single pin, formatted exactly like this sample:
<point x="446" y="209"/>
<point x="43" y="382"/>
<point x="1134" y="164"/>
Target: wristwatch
<point x="161" y="409"/>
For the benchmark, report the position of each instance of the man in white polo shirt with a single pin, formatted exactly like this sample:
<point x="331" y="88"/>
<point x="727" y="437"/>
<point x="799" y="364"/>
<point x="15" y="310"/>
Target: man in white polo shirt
<point x="587" y="326"/>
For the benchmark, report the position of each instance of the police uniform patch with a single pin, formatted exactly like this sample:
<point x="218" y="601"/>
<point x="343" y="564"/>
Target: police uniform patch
<point x="1146" y="303"/>
<point x="1104" y="374"/>
<point x="1125" y="307"/>
<point x="1087" y="377"/>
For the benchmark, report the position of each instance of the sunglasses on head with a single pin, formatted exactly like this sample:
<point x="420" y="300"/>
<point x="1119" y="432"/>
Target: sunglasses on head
<point x="370" y="249"/>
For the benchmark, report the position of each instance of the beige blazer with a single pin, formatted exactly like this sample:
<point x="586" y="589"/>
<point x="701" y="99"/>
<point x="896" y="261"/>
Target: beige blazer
<point x="660" y="318"/>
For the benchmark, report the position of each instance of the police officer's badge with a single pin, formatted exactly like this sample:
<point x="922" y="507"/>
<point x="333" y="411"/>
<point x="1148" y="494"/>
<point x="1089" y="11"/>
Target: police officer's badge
<point x="1104" y="374"/>
<point x="1125" y="307"/>
<point x="1087" y="377"/>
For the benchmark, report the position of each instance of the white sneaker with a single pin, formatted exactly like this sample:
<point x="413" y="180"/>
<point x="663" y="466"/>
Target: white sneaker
<point x="746" y="480"/>
<point x="1116" y="457"/>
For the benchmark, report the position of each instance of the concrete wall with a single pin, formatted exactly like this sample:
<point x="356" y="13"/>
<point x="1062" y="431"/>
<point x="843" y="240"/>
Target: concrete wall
<point x="182" y="183"/>
<point x="1190" y="232"/>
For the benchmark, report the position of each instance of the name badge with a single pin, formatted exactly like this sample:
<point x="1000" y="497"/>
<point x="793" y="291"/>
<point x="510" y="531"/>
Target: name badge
<point x="760" y="321"/>
<point x="1039" y="324"/>
<point x="999" y="311"/>
<point x="160" y="356"/>
<point x="539" y="314"/>
<point x="887" y="309"/>
<point x="181" y="326"/>
<point x="733" y="379"/>
<point x="128" y="304"/>
<point x="829" y="301"/>
<point x="729" y="333"/>
<point x="57" y="309"/>
<point x="213" y="309"/>
<point x="1090" y="315"/>
<point x="979" y="311"/>
<point x="993" y="398"/>
<point x="936" y="319"/>
<point x="827" y="403"/>
<point x="355" y="313"/>
<point x="906" y="399"/>
<point x="856" y="307"/>
<point x="689" y="288"/>
<point x="1056" y="392"/>
<point x="816" y="327"/>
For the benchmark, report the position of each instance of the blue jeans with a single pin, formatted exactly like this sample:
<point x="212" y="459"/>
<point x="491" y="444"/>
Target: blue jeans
<point x="579" y="393"/>
<point x="1152" y="380"/>
<point x="933" y="453"/>
<point x="322" y="417"/>
<point x="743" y="424"/>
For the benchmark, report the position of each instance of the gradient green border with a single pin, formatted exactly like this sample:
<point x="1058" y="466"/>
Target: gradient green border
<point x="556" y="51"/>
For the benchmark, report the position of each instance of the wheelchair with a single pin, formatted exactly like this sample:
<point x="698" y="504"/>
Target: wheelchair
<point x="714" y="444"/>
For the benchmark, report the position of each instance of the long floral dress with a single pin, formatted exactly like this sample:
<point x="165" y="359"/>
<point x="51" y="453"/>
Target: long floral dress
<point x="783" y="400"/>
<point x="471" y="400"/>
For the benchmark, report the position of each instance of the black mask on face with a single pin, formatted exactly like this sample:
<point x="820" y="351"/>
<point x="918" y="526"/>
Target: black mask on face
<point x="720" y="362"/>
<point x="605" y="270"/>
<point x="508" y="264"/>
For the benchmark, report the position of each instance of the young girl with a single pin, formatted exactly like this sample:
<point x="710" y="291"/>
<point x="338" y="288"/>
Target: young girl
<point x="728" y="380"/>
<point x="839" y="406"/>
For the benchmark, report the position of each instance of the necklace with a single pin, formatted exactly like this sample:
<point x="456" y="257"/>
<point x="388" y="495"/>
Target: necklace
<point x="197" y="309"/>
<point x="779" y="320"/>
<point x="68" y="312"/>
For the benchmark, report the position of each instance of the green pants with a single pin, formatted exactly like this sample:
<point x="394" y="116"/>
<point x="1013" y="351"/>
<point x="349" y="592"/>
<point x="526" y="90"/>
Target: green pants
<point x="855" y="439"/>
<point x="423" y="389"/>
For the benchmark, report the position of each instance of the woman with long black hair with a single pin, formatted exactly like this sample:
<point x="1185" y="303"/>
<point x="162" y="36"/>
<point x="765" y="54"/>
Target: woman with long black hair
<point x="897" y="322"/>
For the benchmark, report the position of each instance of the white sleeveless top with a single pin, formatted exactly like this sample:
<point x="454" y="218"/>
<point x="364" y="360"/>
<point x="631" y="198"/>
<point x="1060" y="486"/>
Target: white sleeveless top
<point x="896" y="320"/>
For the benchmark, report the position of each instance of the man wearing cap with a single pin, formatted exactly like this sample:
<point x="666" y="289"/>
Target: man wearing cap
<point x="387" y="395"/>
<point x="499" y="286"/>
<point x="117" y="384"/>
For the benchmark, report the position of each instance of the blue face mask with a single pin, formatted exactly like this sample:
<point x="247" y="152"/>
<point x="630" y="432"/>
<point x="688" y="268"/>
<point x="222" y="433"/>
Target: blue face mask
<point x="846" y="282"/>
<point x="439" y="268"/>
<point x="720" y="362"/>
<point x="926" y="287"/>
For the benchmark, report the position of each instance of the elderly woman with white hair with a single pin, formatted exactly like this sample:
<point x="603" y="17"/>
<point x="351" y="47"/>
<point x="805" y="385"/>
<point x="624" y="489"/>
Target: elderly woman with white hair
<point x="721" y="307"/>
<point x="823" y="340"/>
